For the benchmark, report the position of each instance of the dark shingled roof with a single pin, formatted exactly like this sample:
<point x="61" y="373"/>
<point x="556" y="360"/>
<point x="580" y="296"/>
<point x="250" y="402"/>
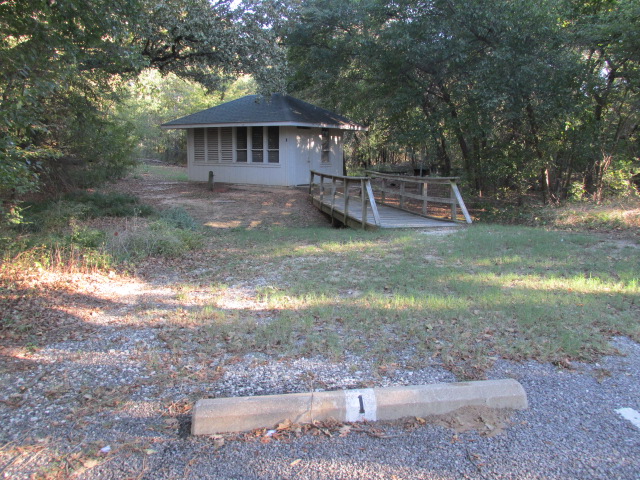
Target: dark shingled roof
<point x="258" y="110"/>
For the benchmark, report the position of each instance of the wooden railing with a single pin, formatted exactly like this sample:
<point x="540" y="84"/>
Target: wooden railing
<point x="338" y="193"/>
<point x="424" y="196"/>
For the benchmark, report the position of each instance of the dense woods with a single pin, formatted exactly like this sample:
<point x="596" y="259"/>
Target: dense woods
<point x="67" y="66"/>
<point x="512" y="96"/>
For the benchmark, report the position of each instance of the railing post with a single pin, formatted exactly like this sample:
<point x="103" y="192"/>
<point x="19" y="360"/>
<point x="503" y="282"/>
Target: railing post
<point x="364" y="203"/>
<point x="346" y="200"/>
<point x="321" y="188"/>
<point x="425" y="191"/>
<point x="372" y="202"/>
<point x="333" y="194"/>
<point x="401" y="194"/>
<point x="310" y="181"/>
<point x="463" y="207"/>
<point x="384" y="188"/>
<point x="454" y="203"/>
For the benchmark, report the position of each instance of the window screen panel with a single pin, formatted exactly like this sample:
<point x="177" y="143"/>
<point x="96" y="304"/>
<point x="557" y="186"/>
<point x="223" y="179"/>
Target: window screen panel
<point x="241" y="144"/>
<point x="274" y="138"/>
<point x="198" y="145"/>
<point x="212" y="145"/>
<point x="257" y="146"/>
<point x="226" y="144"/>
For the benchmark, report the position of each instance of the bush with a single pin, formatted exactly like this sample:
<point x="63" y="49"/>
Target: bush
<point x="179" y="218"/>
<point x="159" y="238"/>
<point x="53" y="235"/>
<point x="77" y="206"/>
<point x="109" y="205"/>
<point x="88" y="237"/>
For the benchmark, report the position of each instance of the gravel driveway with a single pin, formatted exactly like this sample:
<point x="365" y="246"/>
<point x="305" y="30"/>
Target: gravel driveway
<point x="571" y="429"/>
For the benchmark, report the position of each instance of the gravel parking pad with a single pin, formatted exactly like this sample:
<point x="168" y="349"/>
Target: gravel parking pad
<point x="108" y="422"/>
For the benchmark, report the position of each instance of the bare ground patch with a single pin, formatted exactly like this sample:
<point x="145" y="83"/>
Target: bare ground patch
<point x="228" y="206"/>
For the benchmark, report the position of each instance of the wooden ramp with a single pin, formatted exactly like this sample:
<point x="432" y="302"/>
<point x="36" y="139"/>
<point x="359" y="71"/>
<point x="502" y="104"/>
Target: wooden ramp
<point x="389" y="217"/>
<point x="352" y="201"/>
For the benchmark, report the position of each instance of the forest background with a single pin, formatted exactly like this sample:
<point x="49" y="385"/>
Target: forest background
<point x="520" y="99"/>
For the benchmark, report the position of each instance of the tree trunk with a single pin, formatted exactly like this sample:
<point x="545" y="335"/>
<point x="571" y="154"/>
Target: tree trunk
<point x="443" y="156"/>
<point x="462" y="142"/>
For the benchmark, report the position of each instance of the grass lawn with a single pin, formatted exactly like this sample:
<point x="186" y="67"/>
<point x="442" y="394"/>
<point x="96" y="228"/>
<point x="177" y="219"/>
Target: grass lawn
<point x="176" y="174"/>
<point x="468" y="298"/>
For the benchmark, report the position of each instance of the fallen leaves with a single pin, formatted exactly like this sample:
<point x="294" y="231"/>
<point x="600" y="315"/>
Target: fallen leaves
<point x="181" y="407"/>
<point x="330" y="428"/>
<point x="218" y="441"/>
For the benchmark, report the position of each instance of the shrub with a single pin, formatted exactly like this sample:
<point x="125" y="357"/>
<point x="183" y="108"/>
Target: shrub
<point x="53" y="235"/>
<point x="158" y="238"/>
<point x="179" y="218"/>
<point x="109" y="205"/>
<point x="87" y="237"/>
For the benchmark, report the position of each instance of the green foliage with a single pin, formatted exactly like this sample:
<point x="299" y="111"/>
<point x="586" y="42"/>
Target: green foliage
<point x="515" y="95"/>
<point x="56" y="60"/>
<point x="62" y="63"/>
<point x="109" y="204"/>
<point x="87" y="237"/>
<point x="55" y="235"/>
<point x="211" y="43"/>
<point x="179" y="218"/>
<point x="154" y="99"/>
<point x="160" y="238"/>
<point x="77" y="206"/>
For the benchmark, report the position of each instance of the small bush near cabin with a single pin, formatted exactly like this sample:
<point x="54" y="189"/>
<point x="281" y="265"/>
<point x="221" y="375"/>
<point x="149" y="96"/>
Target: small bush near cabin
<point x="55" y="235"/>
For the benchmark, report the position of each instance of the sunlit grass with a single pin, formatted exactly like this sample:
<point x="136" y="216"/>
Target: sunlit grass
<point x="616" y="214"/>
<point x="177" y="174"/>
<point x="469" y="298"/>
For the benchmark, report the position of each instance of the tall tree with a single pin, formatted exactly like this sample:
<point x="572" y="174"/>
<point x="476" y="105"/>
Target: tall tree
<point x="494" y="87"/>
<point x="60" y="61"/>
<point x="605" y="32"/>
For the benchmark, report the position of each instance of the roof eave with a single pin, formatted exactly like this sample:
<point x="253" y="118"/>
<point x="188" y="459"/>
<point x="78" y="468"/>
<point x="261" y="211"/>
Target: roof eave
<point x="186" y="126"/>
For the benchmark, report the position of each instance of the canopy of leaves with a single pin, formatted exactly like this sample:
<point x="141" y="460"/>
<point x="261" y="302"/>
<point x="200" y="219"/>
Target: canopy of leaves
<point x="154" y="99"/>
<point x="507" y="93"/>
<point x="61" y="62"/>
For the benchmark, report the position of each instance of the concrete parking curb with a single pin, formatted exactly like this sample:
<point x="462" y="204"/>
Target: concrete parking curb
<point x="237" y="414"/>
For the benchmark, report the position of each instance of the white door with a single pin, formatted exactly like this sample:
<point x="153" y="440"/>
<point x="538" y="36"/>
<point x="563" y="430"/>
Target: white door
<point x="302" y="158"/>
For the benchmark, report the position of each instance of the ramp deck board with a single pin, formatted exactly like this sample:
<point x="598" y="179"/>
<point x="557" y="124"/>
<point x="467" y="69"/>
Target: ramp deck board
<point x="389" y="217"/>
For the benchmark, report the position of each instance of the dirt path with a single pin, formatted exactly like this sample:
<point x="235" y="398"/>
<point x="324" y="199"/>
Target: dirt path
<point x="227" y="206"/>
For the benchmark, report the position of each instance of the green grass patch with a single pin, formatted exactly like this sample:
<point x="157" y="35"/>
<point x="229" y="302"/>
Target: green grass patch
<point x="176" y="174"/>
<point x="57" y="235"/>
<point x="160" y="238"/>
<point x="468" y="298"/>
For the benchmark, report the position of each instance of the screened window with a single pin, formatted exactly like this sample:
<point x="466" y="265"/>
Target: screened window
<point x="326" y="145"/>
<point x="198" y="145"/>
<point x="241" y="144"/>
<point x="226" y="145"/>
<point x="273" y="144"/>
<point x="213" y="155"/>
<point x="257" y="145"/>
<point x="253" y="144"/>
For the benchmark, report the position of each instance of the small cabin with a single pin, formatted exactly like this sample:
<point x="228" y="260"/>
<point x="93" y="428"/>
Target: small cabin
<point x="264" y="141"/>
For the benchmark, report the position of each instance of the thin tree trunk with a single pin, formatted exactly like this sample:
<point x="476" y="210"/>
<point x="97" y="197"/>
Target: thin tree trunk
<point x="443" y="156"/>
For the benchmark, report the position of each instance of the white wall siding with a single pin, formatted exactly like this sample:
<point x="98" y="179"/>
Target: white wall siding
<point x="299" y="151"/>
